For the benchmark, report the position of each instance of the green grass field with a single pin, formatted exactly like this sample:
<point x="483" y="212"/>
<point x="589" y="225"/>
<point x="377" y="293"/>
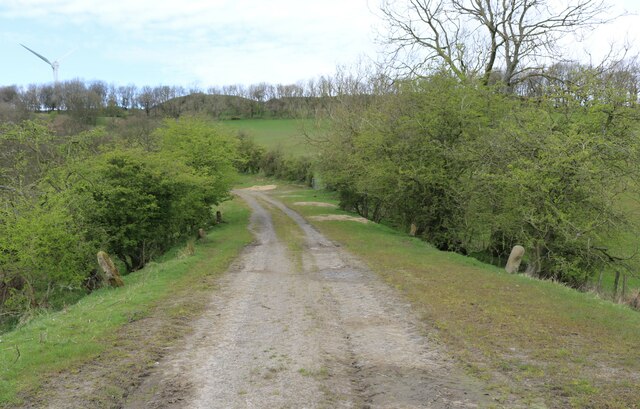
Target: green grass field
<point x="285" y="134"/>
<point x="64" y="340"/>
<point x="546" y="344"/>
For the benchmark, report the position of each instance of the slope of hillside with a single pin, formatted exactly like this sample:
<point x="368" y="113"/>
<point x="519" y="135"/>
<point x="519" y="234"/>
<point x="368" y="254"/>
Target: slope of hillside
<point x="216" y="106"/>
<point x="235" y="107"/>
<point x="288" y="135"/>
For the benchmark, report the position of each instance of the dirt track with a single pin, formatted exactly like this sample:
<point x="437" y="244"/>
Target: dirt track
<point x="324" y="334"/>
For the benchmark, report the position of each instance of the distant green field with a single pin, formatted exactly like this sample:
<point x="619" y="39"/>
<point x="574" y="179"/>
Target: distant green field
<point x="285" y="134"/>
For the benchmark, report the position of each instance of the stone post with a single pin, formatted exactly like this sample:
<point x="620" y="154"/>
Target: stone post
<point x="513" y="264"/>
<point x="110" y="270"/>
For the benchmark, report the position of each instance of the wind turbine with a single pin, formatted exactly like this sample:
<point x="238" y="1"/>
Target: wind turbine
<point x="55" y="65"/>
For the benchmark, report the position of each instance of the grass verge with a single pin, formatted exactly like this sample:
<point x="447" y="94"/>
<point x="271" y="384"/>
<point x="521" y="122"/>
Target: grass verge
<point x="540" y="342"/>
<point x="115" y="334"/>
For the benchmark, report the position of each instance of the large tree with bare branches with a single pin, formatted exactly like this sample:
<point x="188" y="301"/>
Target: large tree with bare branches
<point x="509" y="39"/>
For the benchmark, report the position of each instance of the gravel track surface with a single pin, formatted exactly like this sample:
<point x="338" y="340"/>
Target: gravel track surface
<point x="321" y="333"/>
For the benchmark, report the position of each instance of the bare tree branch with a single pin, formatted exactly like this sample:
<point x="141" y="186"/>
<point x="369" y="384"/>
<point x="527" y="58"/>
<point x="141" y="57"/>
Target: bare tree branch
<point x="479" y="38"/>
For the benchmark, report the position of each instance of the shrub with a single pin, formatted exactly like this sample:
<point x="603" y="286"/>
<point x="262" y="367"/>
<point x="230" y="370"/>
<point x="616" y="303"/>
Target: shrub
<point x="479" y="171"/>
<point x="43" y="252"/>
<point x="250" y="155"/>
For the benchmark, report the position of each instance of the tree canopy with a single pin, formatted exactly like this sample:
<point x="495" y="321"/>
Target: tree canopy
<point x="478" y="171"/>
<point x="62" y="199"/>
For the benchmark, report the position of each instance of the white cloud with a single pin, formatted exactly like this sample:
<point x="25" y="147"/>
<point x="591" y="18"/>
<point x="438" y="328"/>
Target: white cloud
<point x="205" y="39"/>
<point x="186" y="15"/>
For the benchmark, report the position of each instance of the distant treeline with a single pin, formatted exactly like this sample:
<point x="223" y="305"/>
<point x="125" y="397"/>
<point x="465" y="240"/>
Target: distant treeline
<point x="89" y="100"/>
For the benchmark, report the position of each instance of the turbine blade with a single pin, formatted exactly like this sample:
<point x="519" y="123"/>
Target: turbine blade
<point x="41" y="57"/>
<point x="67" y="54"/>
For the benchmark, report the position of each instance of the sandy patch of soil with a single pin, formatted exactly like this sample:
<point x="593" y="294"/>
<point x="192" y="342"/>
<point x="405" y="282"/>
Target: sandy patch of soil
<point x="260" y="188"/>
<point x="338" y="217"/>
<point x="317" y="204"/>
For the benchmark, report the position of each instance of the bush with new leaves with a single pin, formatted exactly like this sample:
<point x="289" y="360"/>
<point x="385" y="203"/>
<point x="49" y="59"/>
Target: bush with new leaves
<point x="85" y="193"/>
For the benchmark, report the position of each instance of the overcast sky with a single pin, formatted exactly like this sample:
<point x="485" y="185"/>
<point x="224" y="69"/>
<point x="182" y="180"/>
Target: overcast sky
<point x="204" y="42"/>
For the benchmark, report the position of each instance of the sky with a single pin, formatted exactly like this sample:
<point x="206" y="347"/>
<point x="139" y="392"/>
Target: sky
<point x="201" y="43"/>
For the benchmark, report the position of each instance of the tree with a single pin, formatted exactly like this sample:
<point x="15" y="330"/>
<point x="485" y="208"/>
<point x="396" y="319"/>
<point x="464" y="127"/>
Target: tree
<point x="146" y="99"/>
<point x="12" y="106"/>
<point x="99" y="93"/>
<point x="401" y="157"/>
<point x="27" y="152"/>
<point x="82" y="104"/>
<point x="250" y="154"/>
<point x="551" y="179"/>
<point x="204" y="146"/>
<point x="30" y="98"/>
<point x="63" y="199"/>
<point x="479" y="171"/>
<point x="481" y="38"/>
<point x="142" y="201"/>
<point x="136" y="131"/>
<point x="49" y="96"/>
<point x="127" y="95"/>
<point x="127" y="198"/>
<point x="42" y="251"/>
